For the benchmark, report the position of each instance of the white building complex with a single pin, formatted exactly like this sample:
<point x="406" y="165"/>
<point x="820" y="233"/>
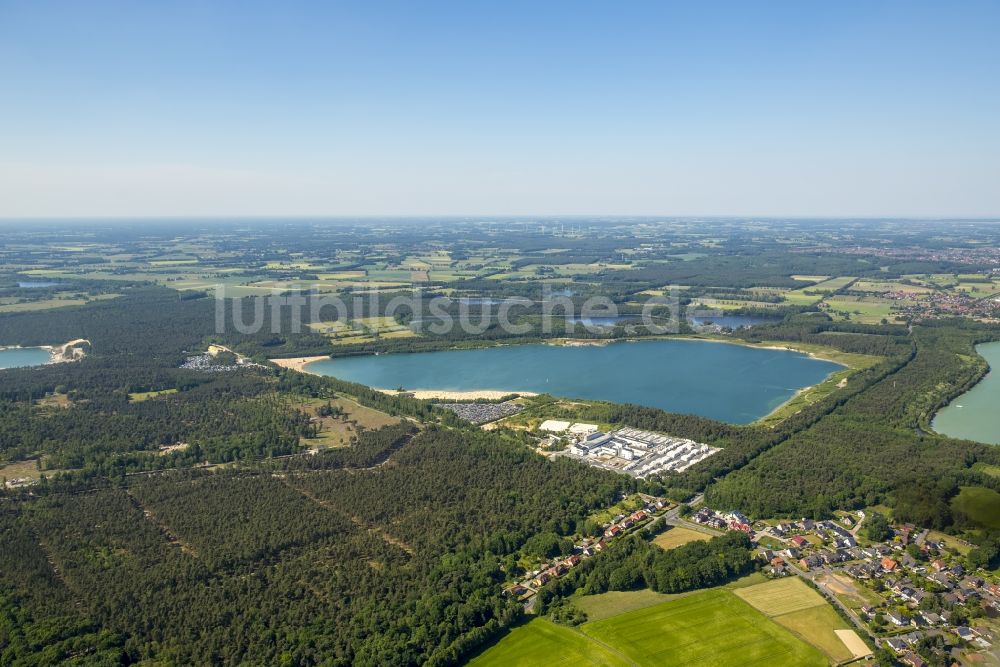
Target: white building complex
<point x="639" y="453"/>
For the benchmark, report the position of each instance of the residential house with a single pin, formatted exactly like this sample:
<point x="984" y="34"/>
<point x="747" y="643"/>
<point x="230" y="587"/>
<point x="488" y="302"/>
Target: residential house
<point x="809" y="562"/>
<point x="897" y="619"/>
<point x="912" y="659"/>
<point x="888" y="564"/>
<point x="930" y="618"/>
<point x="897" y="645"/>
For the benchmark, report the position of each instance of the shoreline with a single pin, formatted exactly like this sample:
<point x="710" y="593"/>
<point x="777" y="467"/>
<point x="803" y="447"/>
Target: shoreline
<point x="762" y="346"/>
<point x="58" y="354"/>
<point x="298" y="363"/>
<point x="454" y="395"/>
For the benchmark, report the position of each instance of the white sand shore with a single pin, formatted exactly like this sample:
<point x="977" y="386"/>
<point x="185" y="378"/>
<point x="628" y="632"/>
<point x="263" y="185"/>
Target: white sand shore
<point x="297" y="363"/>
<point x="300" y="364"/>
<point x="470" y="395"/>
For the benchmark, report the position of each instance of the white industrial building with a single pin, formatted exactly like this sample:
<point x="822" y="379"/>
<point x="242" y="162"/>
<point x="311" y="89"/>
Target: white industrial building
<point x="640" y="453"/>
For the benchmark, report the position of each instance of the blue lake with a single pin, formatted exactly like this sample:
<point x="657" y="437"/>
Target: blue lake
<point x="23" y="356"/>
<point x="974" y="414"/>
<point x="731" y="383"/>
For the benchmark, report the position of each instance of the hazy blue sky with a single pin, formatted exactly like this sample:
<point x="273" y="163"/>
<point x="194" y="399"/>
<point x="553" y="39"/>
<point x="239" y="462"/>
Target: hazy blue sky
<point x="783" y="108"/>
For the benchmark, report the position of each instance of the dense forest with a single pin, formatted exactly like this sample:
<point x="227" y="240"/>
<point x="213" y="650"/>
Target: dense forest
<point x="634" y="563"/>
<point x="400" y="565"/>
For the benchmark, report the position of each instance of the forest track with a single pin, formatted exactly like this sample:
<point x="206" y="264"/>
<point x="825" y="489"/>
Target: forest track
<point x="172" y="538"/>
<point x="356" y="520"/>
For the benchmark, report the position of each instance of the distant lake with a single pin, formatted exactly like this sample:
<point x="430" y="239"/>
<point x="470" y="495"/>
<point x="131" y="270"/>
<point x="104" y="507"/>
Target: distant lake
<point x="731" y="383"/>
<point x="733" y="321"/>
<point x="17" y="357"/>
<point x="603" y="320"/>
<point x="975" y="415"/>
<point x="29" y="284"/>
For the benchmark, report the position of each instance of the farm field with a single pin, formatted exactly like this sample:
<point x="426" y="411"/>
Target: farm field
<point x="605" y="605"/>
<point x="780" y="596"/>
<point x="884" y="286"/>
<point x="708" y="628"/>
<point x="711" y="627"/>
<point x="867" y="310"/>
<point x="542" y="642"/>
<point x="833" y="284"/>
<point x="794" y="605"/>
<point x="19" y="306"/>
<point x="678" y="536"/>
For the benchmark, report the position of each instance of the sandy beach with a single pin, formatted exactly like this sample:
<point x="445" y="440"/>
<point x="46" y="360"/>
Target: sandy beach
<point x="470" y="395"/>
<point x="297" y="363"/>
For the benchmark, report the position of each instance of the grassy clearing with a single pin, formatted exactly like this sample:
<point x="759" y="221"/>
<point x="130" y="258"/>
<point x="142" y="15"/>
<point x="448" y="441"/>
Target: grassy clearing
<point x="139" y="396"/>
<point x="951" y="542"/>
<point x="339" y="431"/>
<point x="708" y="628"/>
<point x="626" y="506"/>
<point x="851" y="594"/>
<point x="980" y="504"/>
<point x="21" y="470"/>
<point x="987" y="469"/>
<point x="541" y="642"/>
<point x="678" y="536"/>
<point x="54" y="401"/>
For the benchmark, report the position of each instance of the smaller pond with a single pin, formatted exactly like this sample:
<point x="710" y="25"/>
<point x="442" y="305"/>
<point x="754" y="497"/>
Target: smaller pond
<point x="975" y="415"/>
<point x="478" y="301"/>
<point x="19" y="357"/>
<point x="733" y="321"/>
<point x="602" y="320"/>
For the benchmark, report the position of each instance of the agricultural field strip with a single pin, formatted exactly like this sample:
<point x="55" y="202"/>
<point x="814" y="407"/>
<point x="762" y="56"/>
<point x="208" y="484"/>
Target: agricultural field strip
<point x="781" y="596"/>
